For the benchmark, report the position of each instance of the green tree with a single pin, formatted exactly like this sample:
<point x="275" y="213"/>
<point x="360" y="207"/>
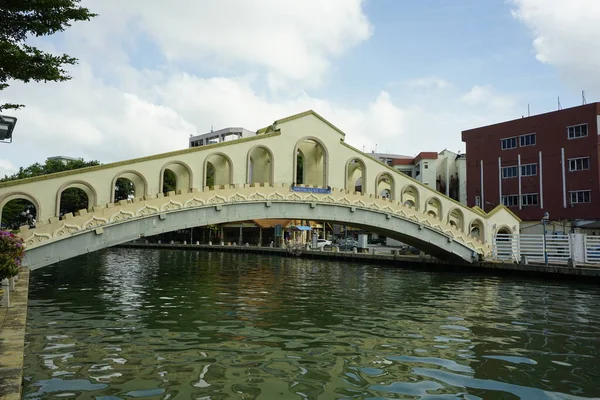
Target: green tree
<point x="169" y="181"/>
<point x="299" y="168"/>
<point x="124" y="189"/>
<point x="210" y="175"/>
<point x="20" y="19"/>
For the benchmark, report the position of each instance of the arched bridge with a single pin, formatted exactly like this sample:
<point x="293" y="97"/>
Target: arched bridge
<point x="297" y="168"/>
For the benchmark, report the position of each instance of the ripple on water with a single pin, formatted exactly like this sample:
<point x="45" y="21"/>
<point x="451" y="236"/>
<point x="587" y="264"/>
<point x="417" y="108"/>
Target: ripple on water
<point x="162" y="324"/>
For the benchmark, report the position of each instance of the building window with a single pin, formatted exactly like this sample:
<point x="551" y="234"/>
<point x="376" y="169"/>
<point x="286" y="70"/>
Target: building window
<point x="406" y="172"/>
<point x="528" y="169"/>
<point x="509" y="172"/>
<point x="508" y="143"/>
<point x="527" y="140"/>
<point x="580" y="196"/>
<point x="577" y="131"/>
<point x="511" y="200"/>
<point x="426" y="166"/>
<point x="579" y="164"/>
<point x="530" y="199"/>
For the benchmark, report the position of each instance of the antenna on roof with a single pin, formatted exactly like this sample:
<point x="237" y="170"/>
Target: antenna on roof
<point x="583" y="97"/>
<point x="211" y="129"/>
<point x="559" y="107"/>
<point x="528" y="110"/>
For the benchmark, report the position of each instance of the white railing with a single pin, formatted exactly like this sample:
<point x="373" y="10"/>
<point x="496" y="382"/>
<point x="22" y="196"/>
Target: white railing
<point x="560" y="248"/>
<point x="592" y="249"/>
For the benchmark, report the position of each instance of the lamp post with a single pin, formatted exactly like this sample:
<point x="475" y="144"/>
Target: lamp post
<point x="544" y="222"/>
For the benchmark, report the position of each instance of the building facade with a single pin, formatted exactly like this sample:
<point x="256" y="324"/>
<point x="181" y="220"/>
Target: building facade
<point x="538" y="164"/>
<point x="222" y="135"/>
<point x="446" y="170"/>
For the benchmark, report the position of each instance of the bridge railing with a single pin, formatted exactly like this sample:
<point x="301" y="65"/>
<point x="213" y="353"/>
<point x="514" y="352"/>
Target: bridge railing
<point x="560" y="249"/>
<point x="111" y="214"/>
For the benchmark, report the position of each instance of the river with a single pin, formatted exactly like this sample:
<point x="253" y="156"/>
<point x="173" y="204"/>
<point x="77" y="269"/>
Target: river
<point x="167" y="324"/>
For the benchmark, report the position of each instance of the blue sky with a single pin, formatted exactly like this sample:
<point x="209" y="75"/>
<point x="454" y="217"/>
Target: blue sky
<point x="408" y="76"/>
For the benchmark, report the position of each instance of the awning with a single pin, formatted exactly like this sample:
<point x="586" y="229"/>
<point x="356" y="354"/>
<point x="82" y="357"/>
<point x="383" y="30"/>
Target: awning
<point x="303" y="228"/>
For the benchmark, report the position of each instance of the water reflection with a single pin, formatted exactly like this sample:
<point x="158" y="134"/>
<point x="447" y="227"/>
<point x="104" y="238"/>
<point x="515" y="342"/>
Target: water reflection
<point x="168" y="324"/>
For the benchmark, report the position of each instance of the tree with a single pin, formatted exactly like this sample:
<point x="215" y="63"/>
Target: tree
<point x="169" y="181"/>
<point x="20" y="19"/>
<point x="124" y="189"/>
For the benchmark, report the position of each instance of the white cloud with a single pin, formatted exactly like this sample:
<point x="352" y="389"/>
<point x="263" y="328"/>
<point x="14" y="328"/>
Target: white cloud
<point x="487" y="97"/>
<point x="566" y="34"/>
<point x="428" y="83"/>
<point x="7" y="168"/>
<point x="113" y="109"/>
<point x="293" y="41"/>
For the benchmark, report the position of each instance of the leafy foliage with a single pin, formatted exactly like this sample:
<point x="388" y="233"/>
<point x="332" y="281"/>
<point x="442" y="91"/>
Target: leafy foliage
<point x="299" y="168"/>
<point x="124" y="189"/>
<point x="169" y="181"/>
<point x="20" y="19"/>
<point x="210" y="174"/>
<point x="11" y="254"/>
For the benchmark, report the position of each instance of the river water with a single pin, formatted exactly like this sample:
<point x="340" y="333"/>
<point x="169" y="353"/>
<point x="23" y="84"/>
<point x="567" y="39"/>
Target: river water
<point x="166" y="324"/>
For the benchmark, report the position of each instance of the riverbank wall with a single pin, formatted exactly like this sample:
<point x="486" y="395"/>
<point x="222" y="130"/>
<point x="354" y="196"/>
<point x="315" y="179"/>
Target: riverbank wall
<point x="13" y="321"/>
<point x="586" y="273"/>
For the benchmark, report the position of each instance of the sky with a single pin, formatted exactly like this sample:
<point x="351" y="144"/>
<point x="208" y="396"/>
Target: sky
<point x="397" y="76"/>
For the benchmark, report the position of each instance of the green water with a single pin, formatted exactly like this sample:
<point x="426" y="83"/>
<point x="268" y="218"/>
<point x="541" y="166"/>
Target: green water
<point x="161" y="324"/>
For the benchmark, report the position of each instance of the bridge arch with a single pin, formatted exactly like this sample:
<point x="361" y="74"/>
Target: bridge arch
<point x="433" y="207"/>
<point x="353" y="166"/>
<point x="183" y="174"/>
<point x="218" y="170"/>
<point x="257" y="172"/>
<point x="132" y="219"/>
<point x="385" y="186"/>
<point x="21" y="196"/>
<point x="456" y="219"/>
<point x="87" y="188"/>
<point x="477" y="230"/>
<point x="410" y="196"/>
<point x="140" y="183"/>
<point x="504" y="230"/>
<point x="315" y="165"/>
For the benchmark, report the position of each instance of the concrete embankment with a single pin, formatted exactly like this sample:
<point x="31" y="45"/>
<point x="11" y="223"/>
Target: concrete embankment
<point x="13" y="320"/>
<point x="588" y="273"/>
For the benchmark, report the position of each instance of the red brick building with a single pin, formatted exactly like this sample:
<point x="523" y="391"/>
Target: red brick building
<point x="543" y="163"/>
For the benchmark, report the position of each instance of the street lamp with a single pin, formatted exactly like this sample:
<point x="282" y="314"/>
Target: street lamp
<point x="545" y="220"/>
<point x="7" y="125"/>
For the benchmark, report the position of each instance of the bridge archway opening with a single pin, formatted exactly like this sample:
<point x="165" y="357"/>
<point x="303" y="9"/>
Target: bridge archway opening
<point x="505" y="230"/>
<point x="355" y="175"/>
<point x="218" y="170"/>
<point x="128" y="185"/>
<point x="410" y="196"/>
<point x="476" y="230"/>
<point x="176" y="177"/>
<point x="18" y="210"/>
<point x="310" y="162"/>
<point x="260" y="165"/>
<point x="433" y="207"/>
<point x="75" y="196"/>
<point x="456" y="219"/>
<point x="385" y="186"/>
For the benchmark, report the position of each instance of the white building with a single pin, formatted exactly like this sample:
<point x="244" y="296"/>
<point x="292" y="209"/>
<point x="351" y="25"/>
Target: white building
<point x="222" y="135"/>
<point x="446" y="170"/>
